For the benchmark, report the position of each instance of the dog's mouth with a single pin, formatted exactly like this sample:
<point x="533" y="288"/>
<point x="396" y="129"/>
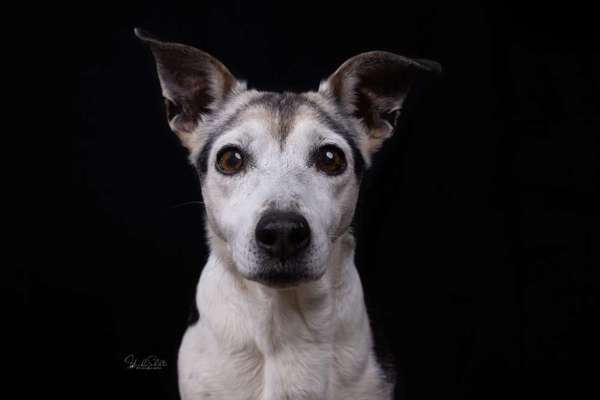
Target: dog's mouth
<point x="283" y="275"/>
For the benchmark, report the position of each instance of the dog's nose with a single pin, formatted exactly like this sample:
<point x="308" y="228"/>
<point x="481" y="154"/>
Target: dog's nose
<point x="282" y="234"/>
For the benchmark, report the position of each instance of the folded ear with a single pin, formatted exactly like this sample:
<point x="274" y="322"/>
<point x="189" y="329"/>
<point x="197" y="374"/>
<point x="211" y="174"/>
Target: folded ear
<point x="193" y="84"/>
<point x="372" y="87"/>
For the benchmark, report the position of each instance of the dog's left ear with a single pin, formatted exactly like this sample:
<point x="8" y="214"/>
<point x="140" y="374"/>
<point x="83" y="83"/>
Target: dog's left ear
<point x="194" y="84"/>
<point x="372" y="87"/>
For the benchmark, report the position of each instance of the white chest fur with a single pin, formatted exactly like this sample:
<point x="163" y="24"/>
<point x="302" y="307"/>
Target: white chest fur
<point x="312" y="342"/>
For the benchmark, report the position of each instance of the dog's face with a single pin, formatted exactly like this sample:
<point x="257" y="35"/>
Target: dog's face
<point x="280" y="183"/>
<point x="280" y="173"/>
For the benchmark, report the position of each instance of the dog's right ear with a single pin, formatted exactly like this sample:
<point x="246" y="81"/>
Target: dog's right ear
<point x="193" y="83"/>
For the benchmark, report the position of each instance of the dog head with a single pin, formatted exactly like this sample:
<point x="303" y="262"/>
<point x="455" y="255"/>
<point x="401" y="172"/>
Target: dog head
<point x="280" y="172"/>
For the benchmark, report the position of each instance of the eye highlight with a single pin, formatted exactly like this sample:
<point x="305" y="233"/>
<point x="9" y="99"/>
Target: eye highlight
<point x="331" y="160"/>
<point x="230" y="160"/>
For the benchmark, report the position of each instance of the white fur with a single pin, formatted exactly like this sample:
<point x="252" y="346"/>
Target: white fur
<point x="254" y="342"/>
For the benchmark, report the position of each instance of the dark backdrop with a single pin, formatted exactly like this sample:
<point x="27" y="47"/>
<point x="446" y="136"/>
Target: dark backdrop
<point x="477" y="225"/>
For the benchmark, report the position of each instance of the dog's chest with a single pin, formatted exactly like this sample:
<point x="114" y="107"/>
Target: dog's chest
<point x="282" y="352"/>
<point x="312" y="343"/>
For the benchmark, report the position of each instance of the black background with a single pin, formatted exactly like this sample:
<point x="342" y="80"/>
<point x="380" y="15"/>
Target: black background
<point x="477" y="225"/>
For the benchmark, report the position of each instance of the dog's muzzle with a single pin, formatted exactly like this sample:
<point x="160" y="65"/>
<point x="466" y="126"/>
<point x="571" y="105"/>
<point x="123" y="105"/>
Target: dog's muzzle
<point x="283" y="239"/>
<point x="282" y="234"/>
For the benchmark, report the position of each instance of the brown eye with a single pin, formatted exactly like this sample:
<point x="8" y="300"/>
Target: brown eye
<point x="331" y="160"/>
<point x="230" y="160"/>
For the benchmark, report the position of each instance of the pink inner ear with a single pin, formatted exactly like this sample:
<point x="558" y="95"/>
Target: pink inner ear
<point x="198" y="84"/>
<point x="183" y="124"/>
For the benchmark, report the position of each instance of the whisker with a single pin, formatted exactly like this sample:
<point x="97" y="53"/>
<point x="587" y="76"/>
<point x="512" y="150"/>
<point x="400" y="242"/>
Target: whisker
<point x="187" y="203"/>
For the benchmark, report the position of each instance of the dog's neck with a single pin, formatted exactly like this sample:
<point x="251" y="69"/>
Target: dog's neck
<point x="268" y="317"/>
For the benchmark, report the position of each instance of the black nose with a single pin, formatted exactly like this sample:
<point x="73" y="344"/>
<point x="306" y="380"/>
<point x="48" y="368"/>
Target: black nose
<point x="282" y="234"/>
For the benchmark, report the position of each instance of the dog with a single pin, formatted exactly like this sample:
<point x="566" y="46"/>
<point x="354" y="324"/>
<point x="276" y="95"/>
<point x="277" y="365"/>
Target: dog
<point x="280" y="302"/>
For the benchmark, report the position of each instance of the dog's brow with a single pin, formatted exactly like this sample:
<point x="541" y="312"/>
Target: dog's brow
<point x="285" y="105"/>
<point x="222" y="127"/>
<point x="236" y="114"/>
<point x="340" y="129"/>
